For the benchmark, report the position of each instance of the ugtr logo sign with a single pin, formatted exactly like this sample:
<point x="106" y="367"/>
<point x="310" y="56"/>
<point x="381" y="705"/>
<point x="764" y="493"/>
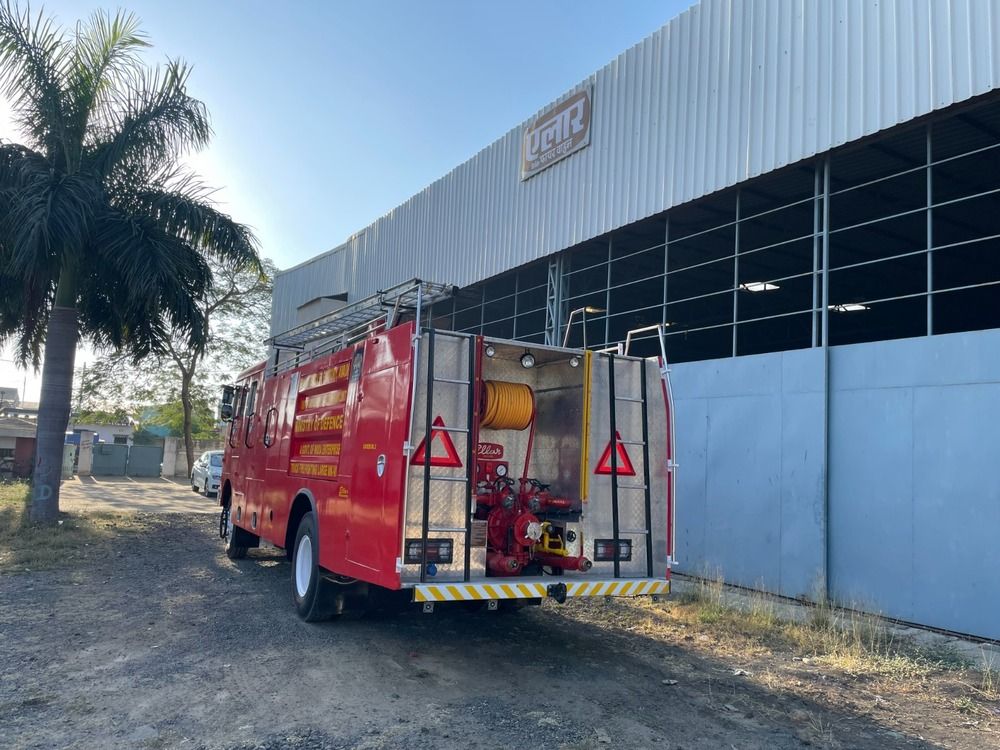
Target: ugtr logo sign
<point x="556" y="134"/>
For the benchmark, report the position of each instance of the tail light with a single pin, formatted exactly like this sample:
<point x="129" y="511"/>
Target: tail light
<point x="438" y="551"/>
<point x="604" y="550"/>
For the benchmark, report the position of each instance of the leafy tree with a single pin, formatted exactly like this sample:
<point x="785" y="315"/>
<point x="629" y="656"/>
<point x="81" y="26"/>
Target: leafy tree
<point x="196" y="418"/>
<point x="102" y="235"/>
<point x="236" y="312"/>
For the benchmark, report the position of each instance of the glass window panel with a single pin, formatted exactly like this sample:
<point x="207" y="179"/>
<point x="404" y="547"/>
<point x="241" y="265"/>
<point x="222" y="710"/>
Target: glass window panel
<point x="895" y="319"/>
<point x="966" y="220"/>
<point x="774" y="334"/>
<point x="718" y="243"/>
<point x="880" y="239"/>
<point x="895" y="195"/>
<point x="967" y="309"/>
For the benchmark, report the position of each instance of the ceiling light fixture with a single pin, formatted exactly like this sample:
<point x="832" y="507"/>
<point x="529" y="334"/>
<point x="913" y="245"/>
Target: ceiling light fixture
<point x="850" y="307"/>
<point x="759" y="286"/>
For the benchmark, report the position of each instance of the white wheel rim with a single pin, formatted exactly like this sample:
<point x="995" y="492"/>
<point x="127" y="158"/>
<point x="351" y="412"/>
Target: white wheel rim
<point x="229" y="526"/>
<point x="303" y="565"/>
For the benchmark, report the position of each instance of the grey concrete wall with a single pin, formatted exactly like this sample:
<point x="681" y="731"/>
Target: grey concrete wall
<point x="914" y="489"/>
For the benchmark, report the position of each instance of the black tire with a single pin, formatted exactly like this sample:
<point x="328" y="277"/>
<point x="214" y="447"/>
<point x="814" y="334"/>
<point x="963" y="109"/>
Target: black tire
<point x="314" y="601"/>
<point x="236" y="543"/>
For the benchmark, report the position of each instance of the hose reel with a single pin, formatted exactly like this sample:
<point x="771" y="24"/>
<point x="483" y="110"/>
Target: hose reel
<point x="507" y="406"/>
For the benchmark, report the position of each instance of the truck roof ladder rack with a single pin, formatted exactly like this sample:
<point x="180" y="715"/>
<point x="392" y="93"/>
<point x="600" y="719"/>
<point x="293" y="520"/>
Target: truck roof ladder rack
<point x="358" y="319"/>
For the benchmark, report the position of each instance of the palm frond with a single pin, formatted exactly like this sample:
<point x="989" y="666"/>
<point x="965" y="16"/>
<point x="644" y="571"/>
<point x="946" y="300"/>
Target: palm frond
<point x="104" y="59"/>
<point x="157" y="279"/>
<point x="155" y="123"/>
<point x="184" y="211"/>
<point x="34" y="59"/>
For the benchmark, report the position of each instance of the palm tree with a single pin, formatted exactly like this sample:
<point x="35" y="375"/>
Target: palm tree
<point x="102" y="235"/>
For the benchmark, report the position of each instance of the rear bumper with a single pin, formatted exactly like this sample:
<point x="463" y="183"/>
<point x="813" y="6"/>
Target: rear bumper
<point x="520" y="588"/>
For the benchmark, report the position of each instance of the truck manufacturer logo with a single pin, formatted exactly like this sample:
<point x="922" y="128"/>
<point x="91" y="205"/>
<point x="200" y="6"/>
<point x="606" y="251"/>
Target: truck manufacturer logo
<point x="563" y="130"/>
<point x="490" y="451"/>
<point x="623" y="462"/>
<point x="449" y="460"/>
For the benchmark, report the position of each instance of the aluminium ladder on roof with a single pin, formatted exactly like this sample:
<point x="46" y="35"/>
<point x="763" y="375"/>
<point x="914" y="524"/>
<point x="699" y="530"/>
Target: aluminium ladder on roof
<point x="355" y="319"/>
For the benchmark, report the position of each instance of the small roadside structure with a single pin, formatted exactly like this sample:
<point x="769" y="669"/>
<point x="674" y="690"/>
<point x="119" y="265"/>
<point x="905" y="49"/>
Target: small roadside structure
<point x="17" y="447"/>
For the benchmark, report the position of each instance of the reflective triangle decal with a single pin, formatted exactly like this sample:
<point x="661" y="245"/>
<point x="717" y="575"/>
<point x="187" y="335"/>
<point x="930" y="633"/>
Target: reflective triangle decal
<point x="625" y="468"/>
<point x="449" y="460"/>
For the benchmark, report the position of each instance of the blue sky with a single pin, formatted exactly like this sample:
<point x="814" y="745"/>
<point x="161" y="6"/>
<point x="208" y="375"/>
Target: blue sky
<point x="329" y="114"/>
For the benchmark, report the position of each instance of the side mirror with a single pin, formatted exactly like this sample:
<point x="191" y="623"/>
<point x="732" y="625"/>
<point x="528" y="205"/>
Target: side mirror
<point x="226" y="405"/>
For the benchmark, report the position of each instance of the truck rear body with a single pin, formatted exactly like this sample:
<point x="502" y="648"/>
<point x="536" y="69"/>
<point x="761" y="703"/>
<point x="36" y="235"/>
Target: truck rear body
<point x="460" y="466"/>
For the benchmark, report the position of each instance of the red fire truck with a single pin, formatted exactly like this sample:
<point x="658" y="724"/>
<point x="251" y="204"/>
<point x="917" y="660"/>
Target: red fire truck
<point x="395" y="461"/>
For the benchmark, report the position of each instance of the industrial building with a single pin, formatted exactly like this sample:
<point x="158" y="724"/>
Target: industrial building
<point x="808" y="194"/>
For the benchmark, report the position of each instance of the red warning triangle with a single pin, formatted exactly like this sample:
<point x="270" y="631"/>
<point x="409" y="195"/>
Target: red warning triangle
<point x="449" y="460"/>
<point x="624" y="467"/>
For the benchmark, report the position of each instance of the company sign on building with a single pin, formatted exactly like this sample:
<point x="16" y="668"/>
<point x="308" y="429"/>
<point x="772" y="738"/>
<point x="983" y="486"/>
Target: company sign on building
<point x="561" y="131"/>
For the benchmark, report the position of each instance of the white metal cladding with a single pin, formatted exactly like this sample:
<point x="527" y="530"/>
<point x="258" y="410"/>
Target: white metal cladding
<point x="728" y="90"/>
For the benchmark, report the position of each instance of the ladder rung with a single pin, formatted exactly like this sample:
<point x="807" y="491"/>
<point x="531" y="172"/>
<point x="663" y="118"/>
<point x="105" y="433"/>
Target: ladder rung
<point x="628" y="398"/>
<point x="451" y="380"/>
<point x="447" y="479"/>
<point x="446" y="428"/>
<point x="631" y="486"/>
<point x="639" y="532"/>
<point x="631" y="442"/>
<point x="447" y="530"/>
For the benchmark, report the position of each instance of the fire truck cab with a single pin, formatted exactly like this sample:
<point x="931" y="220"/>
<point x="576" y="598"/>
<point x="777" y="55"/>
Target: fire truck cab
<point x="396" y="462"/>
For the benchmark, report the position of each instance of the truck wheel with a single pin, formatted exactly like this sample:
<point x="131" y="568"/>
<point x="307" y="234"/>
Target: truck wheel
<point x="235" y="549"/>
<point x="309" y="590"/>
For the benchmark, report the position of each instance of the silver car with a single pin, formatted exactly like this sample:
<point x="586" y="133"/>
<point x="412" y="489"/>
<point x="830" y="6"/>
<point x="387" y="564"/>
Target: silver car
<point x="206" y="473"/>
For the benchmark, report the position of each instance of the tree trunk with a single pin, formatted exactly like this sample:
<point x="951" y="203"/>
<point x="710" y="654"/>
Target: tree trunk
<point x="187" y="407"/>
<point x="53" y="413"/>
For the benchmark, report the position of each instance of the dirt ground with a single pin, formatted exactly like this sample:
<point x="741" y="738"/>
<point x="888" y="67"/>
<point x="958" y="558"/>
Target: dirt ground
<point x="154" y="639"/>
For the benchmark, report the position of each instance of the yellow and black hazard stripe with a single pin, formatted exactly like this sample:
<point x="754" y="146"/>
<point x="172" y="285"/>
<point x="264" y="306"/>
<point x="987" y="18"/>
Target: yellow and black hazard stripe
<point x="457" y="592"/>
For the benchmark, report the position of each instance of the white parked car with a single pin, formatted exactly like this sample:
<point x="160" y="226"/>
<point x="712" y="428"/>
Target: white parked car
<point x="206" y="473"/>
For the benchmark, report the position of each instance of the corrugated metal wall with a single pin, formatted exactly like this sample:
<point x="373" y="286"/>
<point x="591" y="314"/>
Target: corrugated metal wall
<point x="728" y="90"/>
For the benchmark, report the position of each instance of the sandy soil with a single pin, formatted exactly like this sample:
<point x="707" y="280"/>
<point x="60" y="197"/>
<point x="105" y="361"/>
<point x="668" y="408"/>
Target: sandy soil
<point x="159" y="641"/>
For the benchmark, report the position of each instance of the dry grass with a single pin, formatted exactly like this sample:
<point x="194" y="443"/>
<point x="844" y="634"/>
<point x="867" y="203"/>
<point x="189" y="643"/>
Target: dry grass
<point x="851" y="641"/>
<point x="25" y="546"/>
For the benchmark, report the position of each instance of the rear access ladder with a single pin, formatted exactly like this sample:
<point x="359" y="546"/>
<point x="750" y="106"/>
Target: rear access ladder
<point x="434" y="381"/>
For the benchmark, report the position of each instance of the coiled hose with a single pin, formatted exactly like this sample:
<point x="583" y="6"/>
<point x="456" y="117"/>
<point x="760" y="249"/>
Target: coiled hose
<point x="507" y="406"/>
